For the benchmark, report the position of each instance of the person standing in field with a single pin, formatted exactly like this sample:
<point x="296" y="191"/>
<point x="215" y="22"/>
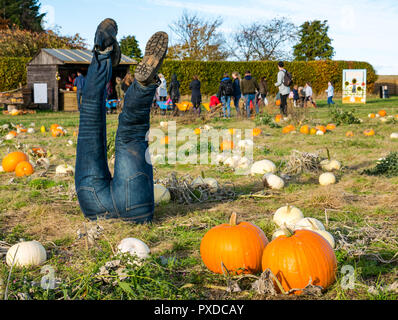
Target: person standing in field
<point x="296" y="96"/>
<point x="225" y="93"/>
<point x="174" y="91"/>
<point x="78" y="82"/>
<point x="249" y="86"/>
<point x="330" y="92"/>
<point x="308" y="94"/>
<point x="283" y="82"/>
<point x="263" y="90"/>
<point x="162" y="89"/>
<point x="237" y="93"/>
<point x="196" y="96"/>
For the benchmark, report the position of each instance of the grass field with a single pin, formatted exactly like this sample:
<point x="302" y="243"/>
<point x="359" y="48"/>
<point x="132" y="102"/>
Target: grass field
<point x="361" y="211"/>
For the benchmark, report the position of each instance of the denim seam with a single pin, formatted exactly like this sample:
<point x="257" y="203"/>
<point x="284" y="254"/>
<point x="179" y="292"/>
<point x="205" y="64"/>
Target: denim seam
<point x="113" y="200"/>
<point x="128" y="207"/>
<point x="92" y="190"/>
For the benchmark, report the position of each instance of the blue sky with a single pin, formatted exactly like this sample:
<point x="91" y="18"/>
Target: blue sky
<point x="361" y="30"/>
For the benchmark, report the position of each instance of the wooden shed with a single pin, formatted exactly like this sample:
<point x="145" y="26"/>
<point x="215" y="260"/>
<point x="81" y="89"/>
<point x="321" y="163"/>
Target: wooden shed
<point x="56" y="68"/>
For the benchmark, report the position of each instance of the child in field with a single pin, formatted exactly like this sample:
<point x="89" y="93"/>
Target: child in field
<point x="295" y="95"/>
<point x="308" y="94"/>
<point x="330" y="92"/>
<point x="301" y="93"/>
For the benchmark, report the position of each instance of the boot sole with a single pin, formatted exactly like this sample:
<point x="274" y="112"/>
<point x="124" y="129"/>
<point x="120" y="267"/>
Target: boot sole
<point x="155" y="52"/>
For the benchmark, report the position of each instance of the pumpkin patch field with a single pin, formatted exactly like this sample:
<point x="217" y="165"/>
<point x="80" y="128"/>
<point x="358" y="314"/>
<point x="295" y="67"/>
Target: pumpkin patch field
<point x="311" y="214"/>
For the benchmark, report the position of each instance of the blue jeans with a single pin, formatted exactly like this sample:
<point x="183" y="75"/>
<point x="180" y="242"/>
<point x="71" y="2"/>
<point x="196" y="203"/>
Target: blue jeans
<point x="330" y="100"/>
<point x="236" y="104"/>
<point x="251" y="97"/>
<point x="129" y="194"/>
<point x="226" y="102"/>
<point x="79" y="97"/>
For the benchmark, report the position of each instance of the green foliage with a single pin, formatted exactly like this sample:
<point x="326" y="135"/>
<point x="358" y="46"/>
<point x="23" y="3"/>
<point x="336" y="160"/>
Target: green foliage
<point x="314" y="42"/>
<point x="22" y="13"/>
<point x="387" y="166"/>
<point x="129" y="47"/>
<point x="12" y="72"/>
<point x="266" y="120"/>
<point x="23" y="43"/>
<point x="318" y="73"/>
<point x="340" y="116"/>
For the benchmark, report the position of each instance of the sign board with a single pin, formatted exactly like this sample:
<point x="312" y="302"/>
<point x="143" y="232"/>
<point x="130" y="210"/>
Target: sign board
<point x="40" y="93"/>
<point x="354" y="86"/>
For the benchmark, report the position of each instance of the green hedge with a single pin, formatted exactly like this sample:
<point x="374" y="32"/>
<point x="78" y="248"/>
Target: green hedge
<point x="12" y="72"/>
<point x="318" y="73"/>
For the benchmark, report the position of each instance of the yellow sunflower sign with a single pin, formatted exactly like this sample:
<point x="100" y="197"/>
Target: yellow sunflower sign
<point x="354" y="86"/>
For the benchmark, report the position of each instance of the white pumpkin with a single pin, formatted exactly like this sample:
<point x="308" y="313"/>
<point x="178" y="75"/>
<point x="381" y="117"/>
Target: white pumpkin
<point x="273" y="181"/>
<point x="69" y="143"/>
<point x="31" y="130"/>
<point x="64" y="169"/>
<point x="327" y="178"/>
<point x="278" y="233"/>
<point x="263" y="167"/>
<point x="1" y="169"/>
<point x="383" y="119"/>
<point x="287" y="215"/>
<point x="43" y="162"/>
<point x="161" y="194"/>
<point x="134" y="247"/>
<point x="212" y="183"/>
<point x="377" y="115"/>
<point x="320" y="133"/>
<point x="309" y="224"/>
<point x="330" y="165"/>
<point x="394" y="135"/>
<point x="26" y="253"/>
<point x="5" y="126"/>
<point x="243" y="163"/>
<point x="328" y="237"/>
<point x="232" y="162"/>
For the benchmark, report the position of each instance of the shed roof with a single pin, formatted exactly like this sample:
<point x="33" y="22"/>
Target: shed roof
<point x="70" y="56"/>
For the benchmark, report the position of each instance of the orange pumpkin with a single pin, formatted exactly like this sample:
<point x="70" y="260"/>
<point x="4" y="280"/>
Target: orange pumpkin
<point x="278" y="102"/>
<point x="54" y="126"/>
<point x="372" y="115"/>
<point x="39" y="152"/>
<point x="369" y="132"/>
<point x="288" y="128"/>
<point x="305" y="129"/>
<point x="292" y="260"/>
<point x="321" y="128"/>
<point x="237" y="247"/>
<point x="382" y="113"/>
<point x="13" y="133"/>
<point x="75" y="133"/>
<point x="331" y="126"/>
<point x="197" y="131"/>
<point x="256" y="132"/>
<point x="278" y="118"/>
<point x="24" y="168"/>
<point x="226" y="145"/>
<point x="313" y="131"/>
<point x="57" y="132"/>
<point x="349" y="134"/>
<point x="396" y="116"/>
<point x="11" y="160"/>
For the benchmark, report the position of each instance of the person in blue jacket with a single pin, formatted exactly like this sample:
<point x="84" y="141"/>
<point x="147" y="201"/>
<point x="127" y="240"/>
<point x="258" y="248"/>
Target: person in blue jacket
<point x="225" y="93"/>
<point x="79" y="84"/>
<point x="237" y="93"/>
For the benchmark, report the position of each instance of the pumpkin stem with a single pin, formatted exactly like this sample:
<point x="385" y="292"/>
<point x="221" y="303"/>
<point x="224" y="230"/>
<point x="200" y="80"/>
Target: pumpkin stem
<point x="327" y="150"/>
<point x="288" y="208"/>
<point x="288" y="232"/>
<point x="202" y="174"/>
<point x="233" y="219"/>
